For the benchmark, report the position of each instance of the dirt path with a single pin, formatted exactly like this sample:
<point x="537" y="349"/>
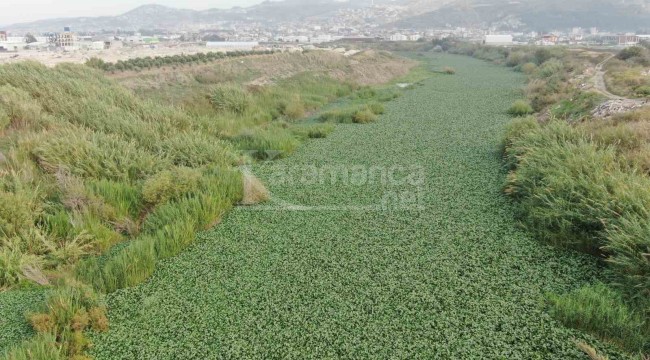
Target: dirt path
<point x="614" y="104"/>
<point x="598" y="80"/>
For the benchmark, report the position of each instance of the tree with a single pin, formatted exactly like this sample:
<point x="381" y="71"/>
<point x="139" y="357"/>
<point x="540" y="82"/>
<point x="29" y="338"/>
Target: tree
<point x="29" y="38"/>
<point x="631" y="52"/>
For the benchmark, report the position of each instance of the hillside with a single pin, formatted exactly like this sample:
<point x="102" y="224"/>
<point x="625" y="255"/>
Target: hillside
<point x="162" y="17"/>
<point x="539" y="15"/>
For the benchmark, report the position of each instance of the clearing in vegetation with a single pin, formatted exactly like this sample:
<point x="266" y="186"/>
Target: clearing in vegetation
<point x="450" y="277"/>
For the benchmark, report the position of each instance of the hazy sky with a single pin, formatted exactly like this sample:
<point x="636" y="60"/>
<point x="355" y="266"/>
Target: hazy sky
<point x="17" y="11"/>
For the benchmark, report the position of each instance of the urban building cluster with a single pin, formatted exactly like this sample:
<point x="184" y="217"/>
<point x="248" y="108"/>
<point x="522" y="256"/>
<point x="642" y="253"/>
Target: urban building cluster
<point x="350" y="24"/>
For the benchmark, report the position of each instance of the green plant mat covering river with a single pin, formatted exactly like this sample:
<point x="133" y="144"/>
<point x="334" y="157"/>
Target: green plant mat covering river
<point x="322" y="272"/>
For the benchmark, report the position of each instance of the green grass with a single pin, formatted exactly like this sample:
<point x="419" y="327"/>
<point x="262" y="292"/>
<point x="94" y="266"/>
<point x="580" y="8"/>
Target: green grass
<point x="577" y="108"/>
<point x="601" y="310"/>
<point x="455" y="279"/>
<point x="520" y="108"/>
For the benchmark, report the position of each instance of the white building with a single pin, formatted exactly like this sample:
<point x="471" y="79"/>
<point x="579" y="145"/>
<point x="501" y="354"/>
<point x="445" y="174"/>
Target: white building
<point x="11" y="45"/>
<point x="97" y="45"/>
<point x="398" y="37"/>
<point x="320" y="39"/>
<point x="498" y="40"/>
<point x="232" y="45"/>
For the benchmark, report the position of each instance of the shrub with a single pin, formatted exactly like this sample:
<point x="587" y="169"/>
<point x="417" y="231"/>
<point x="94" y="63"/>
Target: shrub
<point x="630" y="52"/>
<point x="528" y="68"/>
<point x="542" y="55"/>
<point x="602" y="311"/>
<point x="520" y="108"/>
<point x="228" y="97"/>
<point x="516" y="58"/>
<point x="364" y="116"/>
<point x="97" y="63"/>
<point x="550" y="68"/>
<point x="312" y="131"/>
<point x="643" y="90"/>
<point x="449" y="70"/>
<point x="149" y="62"/>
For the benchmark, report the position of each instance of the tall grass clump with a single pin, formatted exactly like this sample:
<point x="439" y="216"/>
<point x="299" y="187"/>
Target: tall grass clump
<point x="70" y="309"/>
<point x="359" y="114"/>
<point x="449" y="70"/>
<point x="312" y="131"/>
<point x="196" y="204"/>
<point x="230" y="97"/>
<point x="575" y="192"/>
<point x="601" y="310"/>
<point x="520" y="108"/>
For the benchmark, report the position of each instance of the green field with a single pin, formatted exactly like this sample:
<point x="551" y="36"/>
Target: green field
<point x="322" y="272"/>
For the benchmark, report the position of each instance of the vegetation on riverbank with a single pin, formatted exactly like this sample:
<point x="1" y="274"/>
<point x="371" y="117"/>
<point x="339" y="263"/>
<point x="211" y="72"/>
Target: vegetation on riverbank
<point x="98" y="185"/>
<point x="629" y="73"/>
<point x="582" y="182"/>
<point x="370" y="269"/>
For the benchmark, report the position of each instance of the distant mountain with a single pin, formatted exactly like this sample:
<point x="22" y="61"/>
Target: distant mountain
<point x="540" y="15"/>
<point x="162" y="17"/>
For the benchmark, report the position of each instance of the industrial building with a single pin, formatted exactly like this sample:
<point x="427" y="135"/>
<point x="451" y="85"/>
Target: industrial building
<point x="498" y="40"/>
<point x="66" y="40"/>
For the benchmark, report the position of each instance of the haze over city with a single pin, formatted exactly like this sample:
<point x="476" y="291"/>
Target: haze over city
<point x="12" y="12"/>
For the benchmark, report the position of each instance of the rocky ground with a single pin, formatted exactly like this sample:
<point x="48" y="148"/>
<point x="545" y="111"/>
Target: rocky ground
<point x="618" y="106"/>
